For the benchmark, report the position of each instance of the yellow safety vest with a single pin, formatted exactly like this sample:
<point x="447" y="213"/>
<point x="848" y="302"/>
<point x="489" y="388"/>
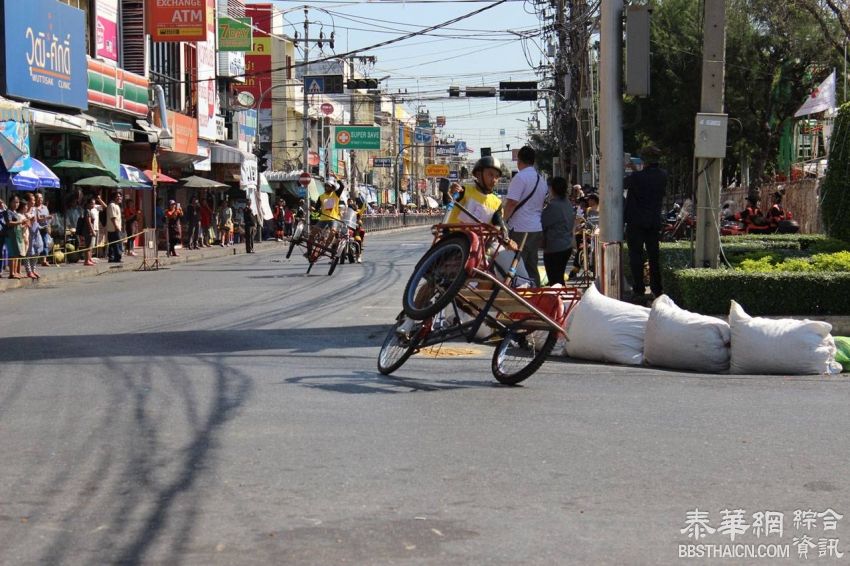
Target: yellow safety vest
<point x="483" y="206"/>
<point x="328" y="207"/>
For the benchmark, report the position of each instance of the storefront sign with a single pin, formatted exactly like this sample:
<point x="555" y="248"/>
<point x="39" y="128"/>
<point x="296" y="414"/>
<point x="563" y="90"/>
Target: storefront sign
<point x="232" y="64"/>
<point x="185" y="132"/>
<point x="248" y="174"/>
<point x="436" y="170"/>
<point x="117" y="89"/>
<point x="207" y="106"/>
<point x="258" y="62"/>
<point x="177" y="20"/>
<point x="235" y="34"/>
<point x="106" y="27"/>
<point x="357" y="137"/>
<point x="45" y="53"/>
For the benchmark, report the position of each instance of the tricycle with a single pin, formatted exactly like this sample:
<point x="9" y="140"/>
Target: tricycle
<point x="463" y="289"/>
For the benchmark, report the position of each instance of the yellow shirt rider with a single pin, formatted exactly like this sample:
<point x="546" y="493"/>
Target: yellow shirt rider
<point x="327" y="205"/>
<point x="478" y="197"/>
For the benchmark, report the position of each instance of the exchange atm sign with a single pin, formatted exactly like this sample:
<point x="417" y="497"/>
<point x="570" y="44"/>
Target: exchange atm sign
<point x="177" y="20"/>
<point x="357" y="137"/>
<point x="44" y="53"/>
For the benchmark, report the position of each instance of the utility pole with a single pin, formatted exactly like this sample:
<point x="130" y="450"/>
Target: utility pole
<point x="710" y="169"/>
<point x="561" y="101"/>
<point x="611" y="147"/>
<point x="305" y="149"/>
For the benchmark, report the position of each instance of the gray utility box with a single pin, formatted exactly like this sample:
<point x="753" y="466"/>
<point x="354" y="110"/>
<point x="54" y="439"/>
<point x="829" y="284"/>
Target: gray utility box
<point x="710" y="135"/>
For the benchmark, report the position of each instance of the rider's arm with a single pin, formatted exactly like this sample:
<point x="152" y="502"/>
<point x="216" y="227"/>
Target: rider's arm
<point x="499" y="222"/>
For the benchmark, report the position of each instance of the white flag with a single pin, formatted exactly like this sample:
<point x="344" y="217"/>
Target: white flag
<point x="822" y="98"/>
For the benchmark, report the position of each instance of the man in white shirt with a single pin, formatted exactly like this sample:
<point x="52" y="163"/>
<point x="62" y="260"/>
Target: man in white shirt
<point x="526" y="195"/>
<point x="114" y="225"/>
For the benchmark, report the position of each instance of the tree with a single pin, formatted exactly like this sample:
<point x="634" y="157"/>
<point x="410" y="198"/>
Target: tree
<point x="835" y="191"/>
<point x="544" y="151"/>
<point x="776" y="52"/>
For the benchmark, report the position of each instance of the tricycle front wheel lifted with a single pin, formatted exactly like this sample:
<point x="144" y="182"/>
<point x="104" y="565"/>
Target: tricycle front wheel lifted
<point x="520" y="353"/>
<point x="437" y="278"/>
<point x="400" y="344"/>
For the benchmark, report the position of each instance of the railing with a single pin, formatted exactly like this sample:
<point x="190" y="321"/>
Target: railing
<point x="377" y="222"/>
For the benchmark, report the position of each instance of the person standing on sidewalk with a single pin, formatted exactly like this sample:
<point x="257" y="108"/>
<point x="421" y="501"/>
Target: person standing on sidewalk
<point x="644" y="202"/>
<point x="114" y="225"/>
<point x="193" y="223"/>
<point x="250" y="223"/>
<point x="131" y="222"/>
<point x="172" y="221"/>
<point x="523" y="208"/>
<point x="44" y="219"/>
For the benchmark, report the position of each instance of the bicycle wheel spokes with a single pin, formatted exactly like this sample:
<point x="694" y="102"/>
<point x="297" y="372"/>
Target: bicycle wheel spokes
<point x="399" y="345"/>
<point x="436" y="279"/>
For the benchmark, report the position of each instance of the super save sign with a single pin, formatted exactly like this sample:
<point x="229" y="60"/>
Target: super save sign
<point x="177" y="20"/>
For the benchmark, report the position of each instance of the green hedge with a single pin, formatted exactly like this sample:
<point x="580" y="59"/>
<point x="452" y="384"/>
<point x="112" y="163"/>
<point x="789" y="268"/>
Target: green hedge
<point x="710" y="291"/>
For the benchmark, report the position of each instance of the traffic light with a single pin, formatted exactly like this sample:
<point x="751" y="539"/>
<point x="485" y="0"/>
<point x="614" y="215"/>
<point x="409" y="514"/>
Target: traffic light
<point x="526" y="90"/>
<point x="262" y="160"/>
<point x="485" y="151"/>
<point x="353" y="84"/>
<point x="454" y="91"/>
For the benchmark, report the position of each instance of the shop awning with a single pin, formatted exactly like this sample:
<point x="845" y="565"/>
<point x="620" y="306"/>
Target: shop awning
<point x="108" y="151"/>
<point x="221" y="153"/>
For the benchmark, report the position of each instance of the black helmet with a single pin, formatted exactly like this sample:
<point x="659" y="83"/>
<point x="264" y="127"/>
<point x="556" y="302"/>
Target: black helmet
<point x="487" y="162"/>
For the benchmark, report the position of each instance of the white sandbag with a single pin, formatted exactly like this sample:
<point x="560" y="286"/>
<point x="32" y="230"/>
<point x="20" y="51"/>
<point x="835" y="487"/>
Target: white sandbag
<point x="606" y="330"/>
<point x="780" y="346"/>
<point x="680" y="339"/>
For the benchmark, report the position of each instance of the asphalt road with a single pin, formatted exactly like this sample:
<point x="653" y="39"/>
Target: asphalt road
<point x="229" y="412"/>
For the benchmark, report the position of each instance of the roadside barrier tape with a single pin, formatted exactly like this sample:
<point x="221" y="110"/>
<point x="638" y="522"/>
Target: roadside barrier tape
<point x="81" y="250"/>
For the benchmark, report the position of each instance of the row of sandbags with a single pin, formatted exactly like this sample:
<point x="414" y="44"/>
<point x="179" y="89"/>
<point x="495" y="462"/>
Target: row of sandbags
<point x="603" y="329"/>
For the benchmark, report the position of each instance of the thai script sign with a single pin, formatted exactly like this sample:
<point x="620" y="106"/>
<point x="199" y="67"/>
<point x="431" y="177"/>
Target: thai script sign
<point x="45" y="53"/>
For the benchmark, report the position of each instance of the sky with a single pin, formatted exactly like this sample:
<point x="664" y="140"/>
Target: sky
<point x="478" y="51"/>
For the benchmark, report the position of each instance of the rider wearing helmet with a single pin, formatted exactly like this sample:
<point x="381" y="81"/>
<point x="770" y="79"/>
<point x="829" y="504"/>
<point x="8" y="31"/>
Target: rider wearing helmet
<point x="478" y="197"/>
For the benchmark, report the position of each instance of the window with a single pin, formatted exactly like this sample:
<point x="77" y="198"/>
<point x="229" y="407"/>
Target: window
<point x="86" y="6"/>
<point x="165" y="71"/>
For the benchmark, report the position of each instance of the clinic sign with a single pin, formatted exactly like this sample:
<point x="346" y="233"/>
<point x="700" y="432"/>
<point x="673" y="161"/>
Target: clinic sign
<point x="177" y="20"/>
<point x="45" y="53"/>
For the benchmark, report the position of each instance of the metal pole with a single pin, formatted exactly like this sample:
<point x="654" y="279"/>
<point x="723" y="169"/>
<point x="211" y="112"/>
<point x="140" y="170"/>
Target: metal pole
<point x="394" y="132"/>
<point x="306" y="125"/>
<point x="611" y="145"/>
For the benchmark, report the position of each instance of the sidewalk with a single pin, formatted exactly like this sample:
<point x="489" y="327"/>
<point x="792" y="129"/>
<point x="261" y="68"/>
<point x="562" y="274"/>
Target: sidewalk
<point x="70" y="271"/>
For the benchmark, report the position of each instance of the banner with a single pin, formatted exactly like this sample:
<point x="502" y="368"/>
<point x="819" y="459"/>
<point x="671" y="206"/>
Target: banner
<point x="822" y="98"/>
<point x="106" y="27"/>
<point x="258" y="62"/>
<point x="177" y="20"/>
<point x="207" y="107"/>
